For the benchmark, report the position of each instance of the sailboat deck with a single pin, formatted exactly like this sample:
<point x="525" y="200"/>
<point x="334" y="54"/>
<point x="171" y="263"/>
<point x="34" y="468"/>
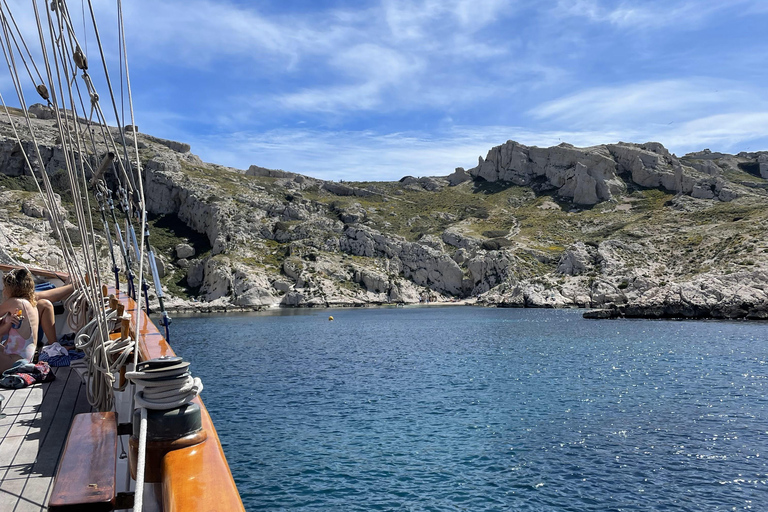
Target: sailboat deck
<point x="32" y="436"/>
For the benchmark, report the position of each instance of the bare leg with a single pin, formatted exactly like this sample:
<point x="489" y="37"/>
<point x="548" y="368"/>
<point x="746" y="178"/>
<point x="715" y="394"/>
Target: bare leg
<point x="56" y="294"/>
<point x="7" y="360"/>
<point x="47" y="319"/>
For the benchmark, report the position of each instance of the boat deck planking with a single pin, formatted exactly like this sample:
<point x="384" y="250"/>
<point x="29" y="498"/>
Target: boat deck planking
<point x="32" y="436"/>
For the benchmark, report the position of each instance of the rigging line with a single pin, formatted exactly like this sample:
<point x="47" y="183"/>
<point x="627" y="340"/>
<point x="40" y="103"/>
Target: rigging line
<point x="108" y="138"/>
<point x="126" y="209"/>
<point x="100" y="198"/>
<point x="77" y="156"/>
<point x="111" y="91"/>
<point x="93" y="285"/>
<point x="91" y="89"/>
<point x="135" y="144"/>
<point x="88" y="288"/>
<point x="87" y="228"/>
<point x="24" y="43"/>
<point x="120" y="37"/>
<point x="67" y="19"/>
<point x="93" y="95"/>
<point x="125" y="178"/>
<point x="85" y="32"/>
<point x="102" y="121"/>
<point x="16" y="43"/>
<point x="90" y="123"/>
<point x="130" y="104"/>
<point x="123" y="245"/>
<point x="56" y="220"/>
<point x="67" y="142"/>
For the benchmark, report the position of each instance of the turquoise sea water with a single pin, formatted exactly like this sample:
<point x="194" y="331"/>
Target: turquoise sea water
<point x="457" y="408"/>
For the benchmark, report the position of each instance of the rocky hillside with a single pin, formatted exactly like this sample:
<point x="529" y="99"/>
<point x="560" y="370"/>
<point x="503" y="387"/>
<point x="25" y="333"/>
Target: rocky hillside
<point x="624" y="226"/>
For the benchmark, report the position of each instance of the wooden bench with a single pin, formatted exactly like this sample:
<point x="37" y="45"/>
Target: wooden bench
<point x="85" y="478"/>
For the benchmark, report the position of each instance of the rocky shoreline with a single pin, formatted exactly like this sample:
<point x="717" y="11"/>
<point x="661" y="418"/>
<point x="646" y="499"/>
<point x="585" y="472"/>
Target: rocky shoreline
<point x="629" y="228"/>
<point x="663" y="312"/>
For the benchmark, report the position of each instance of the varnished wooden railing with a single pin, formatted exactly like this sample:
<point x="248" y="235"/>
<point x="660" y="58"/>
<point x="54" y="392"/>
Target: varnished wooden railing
<point x="196" y="478"/>
<point x="37" y="271"/>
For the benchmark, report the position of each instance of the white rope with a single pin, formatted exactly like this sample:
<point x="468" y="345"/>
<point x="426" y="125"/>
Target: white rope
<point x="160" y="392"/>
<point x="165" y="394"/>
<point x="138" y="498"/>
<point x="99" y="352"/>
<point x="105" y="357"/>
<point x="48" y="198"/>
<point x="77" y="308"/>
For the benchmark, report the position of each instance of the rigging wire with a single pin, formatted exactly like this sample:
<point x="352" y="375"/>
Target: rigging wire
<point x="41" y="82"/>
<point x="105" y="356"/>
<point x="48" y="199"/>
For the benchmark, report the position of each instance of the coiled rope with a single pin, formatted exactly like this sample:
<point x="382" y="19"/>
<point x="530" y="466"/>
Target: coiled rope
<point x="78" y="309"/>
<point x="104" y="357"/>
<point x="162" y="390"/>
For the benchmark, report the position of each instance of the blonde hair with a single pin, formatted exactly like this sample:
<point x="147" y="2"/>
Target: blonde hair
<point x="20" y="284"/>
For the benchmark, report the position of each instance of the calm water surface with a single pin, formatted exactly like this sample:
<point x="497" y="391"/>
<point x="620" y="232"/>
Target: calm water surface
<point x="485" y="409"/>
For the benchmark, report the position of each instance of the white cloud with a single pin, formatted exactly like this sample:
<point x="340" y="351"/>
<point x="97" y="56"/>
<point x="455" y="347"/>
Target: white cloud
<point x="655" y="102"/>
<point x="205" y="32"/>
<point x="684" y="115"/>
<point x="369" y="156"/>
<point x="245" y="75"/>
<point x="682" y="14"/>
<point x="408" y="20"/>
<point x="372" y="68"/>
<point x="366" y="96"/>
<point x="730" y="131"/>
<point x="346" y="155"/>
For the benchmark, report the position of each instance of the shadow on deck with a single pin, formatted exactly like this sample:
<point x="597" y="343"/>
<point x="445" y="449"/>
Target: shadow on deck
<point x="32" y="436"/>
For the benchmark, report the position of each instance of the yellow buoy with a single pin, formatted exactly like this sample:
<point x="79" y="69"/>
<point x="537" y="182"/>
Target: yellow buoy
<point x="330" y="319"/>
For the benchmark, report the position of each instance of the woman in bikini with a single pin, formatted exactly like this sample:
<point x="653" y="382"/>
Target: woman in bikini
<point x="19" y="318"/>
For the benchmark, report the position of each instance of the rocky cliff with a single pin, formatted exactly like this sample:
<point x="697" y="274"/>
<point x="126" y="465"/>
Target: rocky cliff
<point x="624" y="226"/>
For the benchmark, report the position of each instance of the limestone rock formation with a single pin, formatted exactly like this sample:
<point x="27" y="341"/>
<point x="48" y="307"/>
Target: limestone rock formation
<point x="590" y="175"/>
<point x="628" y="227"/>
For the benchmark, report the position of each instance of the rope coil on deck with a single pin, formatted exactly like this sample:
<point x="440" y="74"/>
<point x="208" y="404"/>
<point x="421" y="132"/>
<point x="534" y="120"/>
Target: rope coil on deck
<point x="105" y="358"/>
<point x="166" y="384"/>
<point x="165" y="389"/>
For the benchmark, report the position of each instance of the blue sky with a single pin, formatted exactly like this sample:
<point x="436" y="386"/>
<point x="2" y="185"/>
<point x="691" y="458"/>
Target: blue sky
<point x="375" y="90"/>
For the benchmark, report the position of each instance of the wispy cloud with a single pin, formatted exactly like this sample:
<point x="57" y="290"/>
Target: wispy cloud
<point x="383" y="88"/>
<point x="208" y="33"/>
<point x="737" y="131"/>
<point x="659" y="102"/>
<point x="410" y="20"/>
<point x="654" y="14"/>
<point x="370" y="156"/>
<point x="371" y="68"/>
<point x="685" y="115"/>
<point x="349" y="155"/>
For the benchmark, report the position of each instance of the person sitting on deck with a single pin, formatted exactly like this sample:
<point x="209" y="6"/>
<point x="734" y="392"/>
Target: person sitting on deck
<point x="19" y="318"/>
<point x="45" y="300"/>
